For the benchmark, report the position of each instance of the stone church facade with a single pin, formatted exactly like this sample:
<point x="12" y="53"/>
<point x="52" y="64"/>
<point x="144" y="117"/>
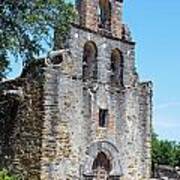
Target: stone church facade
<point x="81" y="113"/>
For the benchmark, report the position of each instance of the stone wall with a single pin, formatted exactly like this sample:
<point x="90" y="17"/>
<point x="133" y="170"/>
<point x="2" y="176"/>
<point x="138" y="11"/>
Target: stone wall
<point x="8" y="112"/>
<point x="72" y="112"/>
<point x="22" y="151"/>
<point x="145" y="116"/>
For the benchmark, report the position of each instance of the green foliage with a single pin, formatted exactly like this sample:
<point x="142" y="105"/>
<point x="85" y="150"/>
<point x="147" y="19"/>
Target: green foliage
<point x="5" y="175"/>
<point x="26" y="24"/>
<point x="165" y="152"/>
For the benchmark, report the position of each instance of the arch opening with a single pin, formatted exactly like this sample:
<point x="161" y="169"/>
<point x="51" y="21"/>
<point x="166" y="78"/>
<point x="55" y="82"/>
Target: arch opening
<point x="90" y="61"/>
<point x="102" y="162"/>
<point x="105" y="11"/>
<point x="103" y="159"/>
<point x="117" y="67"/>
<point x="101" y="166"/>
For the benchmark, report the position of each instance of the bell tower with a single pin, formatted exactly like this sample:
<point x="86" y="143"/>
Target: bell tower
<point x="104" y="16"/>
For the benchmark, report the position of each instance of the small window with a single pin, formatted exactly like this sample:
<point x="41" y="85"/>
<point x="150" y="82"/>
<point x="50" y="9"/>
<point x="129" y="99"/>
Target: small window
<point x="103" y="117"/>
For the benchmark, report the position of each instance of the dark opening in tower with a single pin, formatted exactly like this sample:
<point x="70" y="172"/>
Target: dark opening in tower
<point x="105" y="9"/>
<point x="90" y="61"/>
<point x="103" y="117"/>
<point x="117" y="67"/>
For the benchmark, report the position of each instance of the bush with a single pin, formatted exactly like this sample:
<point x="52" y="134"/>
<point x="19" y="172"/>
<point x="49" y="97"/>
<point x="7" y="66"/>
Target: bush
<point x="5" y="175"/>
<point x="165" y="152"/>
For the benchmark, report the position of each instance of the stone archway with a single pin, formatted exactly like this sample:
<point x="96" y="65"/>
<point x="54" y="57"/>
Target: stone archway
<point x="101" y="166"/>
<point x="102" y="159"/>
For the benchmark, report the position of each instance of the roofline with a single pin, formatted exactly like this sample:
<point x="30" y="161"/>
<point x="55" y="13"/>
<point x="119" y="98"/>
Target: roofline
<point x="103" y="35"/>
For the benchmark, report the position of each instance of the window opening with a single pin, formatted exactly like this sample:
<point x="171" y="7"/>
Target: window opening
<point x="121" y="70"/>
<point x="103" y="117"/>
<point x="90" y="61"/>
<point x="105" y="14"/>
<point x="117" y="66"/>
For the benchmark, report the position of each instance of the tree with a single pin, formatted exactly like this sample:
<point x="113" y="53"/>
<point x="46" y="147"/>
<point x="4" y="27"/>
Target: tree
<point x="165" y="152"/>
<point x="25" y="24"/>
<point x="5" y="175"/>
<point x="177" y="155"/>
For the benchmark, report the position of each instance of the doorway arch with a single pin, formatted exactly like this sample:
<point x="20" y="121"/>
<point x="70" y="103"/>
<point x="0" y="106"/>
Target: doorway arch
<point x="103" y="155"/>
<point x="101" y="166"/>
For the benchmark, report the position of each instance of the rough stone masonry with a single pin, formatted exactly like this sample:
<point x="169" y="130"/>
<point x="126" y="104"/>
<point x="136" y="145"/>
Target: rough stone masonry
<point x="81" y="114"/>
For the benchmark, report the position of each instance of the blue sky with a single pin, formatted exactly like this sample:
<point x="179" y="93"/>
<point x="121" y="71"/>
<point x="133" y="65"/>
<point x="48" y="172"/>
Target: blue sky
<point x="155" y="27"/>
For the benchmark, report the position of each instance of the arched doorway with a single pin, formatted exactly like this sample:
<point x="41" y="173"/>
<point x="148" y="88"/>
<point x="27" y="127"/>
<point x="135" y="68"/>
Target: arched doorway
<point x="102" y="162"/>
<point x="101" y="167"/>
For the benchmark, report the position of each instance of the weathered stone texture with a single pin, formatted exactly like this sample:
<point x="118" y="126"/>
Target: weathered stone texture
<point x="77" y="119"/>
<point x="88" y="16"/>
<point x="23" y="149"/>
<point x="66" y="118"/>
